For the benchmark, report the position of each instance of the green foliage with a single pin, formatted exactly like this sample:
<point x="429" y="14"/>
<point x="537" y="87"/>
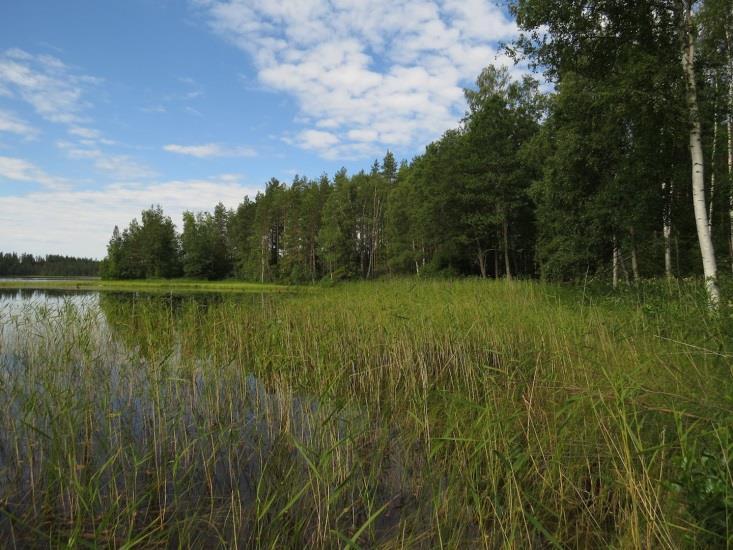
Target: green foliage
<point x="147" y="250"/>
<point x="705" y="477"/>
<point x="206" y="252"/>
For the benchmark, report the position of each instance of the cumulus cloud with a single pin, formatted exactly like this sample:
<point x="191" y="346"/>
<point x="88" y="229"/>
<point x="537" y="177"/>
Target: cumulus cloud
<point x="209" y="150"/>
<point x="80" y="222"/>
<point x="370" y="73"/>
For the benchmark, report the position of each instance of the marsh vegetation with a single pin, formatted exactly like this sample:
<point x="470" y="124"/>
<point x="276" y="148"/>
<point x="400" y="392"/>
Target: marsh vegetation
<point x="384" y="414"/>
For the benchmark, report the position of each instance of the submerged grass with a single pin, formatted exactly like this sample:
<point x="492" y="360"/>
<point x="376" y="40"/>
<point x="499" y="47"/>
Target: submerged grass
<point x="385" y="414"/>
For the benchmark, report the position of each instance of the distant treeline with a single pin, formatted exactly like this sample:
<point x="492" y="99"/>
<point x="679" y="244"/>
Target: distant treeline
<point x="52" y="265"/>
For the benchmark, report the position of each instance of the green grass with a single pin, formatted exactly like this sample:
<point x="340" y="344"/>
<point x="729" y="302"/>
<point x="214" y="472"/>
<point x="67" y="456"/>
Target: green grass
<point x="148" y="285"/>
<point x="391" y="414"/>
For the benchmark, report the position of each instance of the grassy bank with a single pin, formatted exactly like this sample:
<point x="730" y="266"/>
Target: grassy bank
<point x="389" y="414"/>
<point x="147" y="285"/>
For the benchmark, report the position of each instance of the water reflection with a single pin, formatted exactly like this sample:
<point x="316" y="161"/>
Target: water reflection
<point x="127" y="358"/>
<point x="35" y="295"/>
<point x="190" y="400"/>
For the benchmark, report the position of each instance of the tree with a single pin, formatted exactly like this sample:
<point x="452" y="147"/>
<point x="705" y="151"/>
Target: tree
<point x="698" y="161"/>
<point x="628" y="57"/>
<point x="197" y="246"/>
<point x="503" y="117"/>
<point x="150" y="249"/>
<point x="338" y="235"/>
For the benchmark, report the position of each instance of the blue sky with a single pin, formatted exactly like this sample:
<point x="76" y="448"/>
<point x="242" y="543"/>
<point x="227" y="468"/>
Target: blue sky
<point x="107" y="107"/>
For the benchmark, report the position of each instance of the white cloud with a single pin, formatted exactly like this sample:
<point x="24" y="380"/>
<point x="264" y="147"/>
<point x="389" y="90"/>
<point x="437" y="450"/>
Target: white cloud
<point x="209" y="150"/>
<point x="317" y="139"/>
<point x="80" y="222"/>
<point x="121" y="167"/>
<point x="15" y="169"/>
<point x="82" y="132"/>
<point x="56" y="92"/>
<point x="374" y="73"/>
<point x="52" y="88"/>
<point x="9" y="123"/>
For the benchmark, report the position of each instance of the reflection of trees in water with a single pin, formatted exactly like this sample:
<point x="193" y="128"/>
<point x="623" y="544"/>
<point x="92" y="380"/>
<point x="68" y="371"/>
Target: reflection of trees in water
<point x="39" y="294"/>
<point x="158" y="325"/>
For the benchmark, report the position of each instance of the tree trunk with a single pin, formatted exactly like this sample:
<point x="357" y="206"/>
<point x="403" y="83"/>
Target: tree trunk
<point x="698" y="169"/>
<point x="634" y="258"/>
<point x="481" y="260"/>
<point x="507" y="266"/>
<point x="496" y="254"/>
<point x="667" y="230"/>
<point x="623" y="267"/>
<point x="263" y="243"/>
<point x="374" y="234"/>
<point x="417" y="263"/>
<point x="615" y="262"/>
<point x="713" y="154"/>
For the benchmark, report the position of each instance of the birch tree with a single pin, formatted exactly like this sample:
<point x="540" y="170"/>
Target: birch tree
<point x="697" y="157"/>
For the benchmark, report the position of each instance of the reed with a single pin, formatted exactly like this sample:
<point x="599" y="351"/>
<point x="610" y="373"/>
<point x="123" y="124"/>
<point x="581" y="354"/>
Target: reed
<point x="392" y="414"/>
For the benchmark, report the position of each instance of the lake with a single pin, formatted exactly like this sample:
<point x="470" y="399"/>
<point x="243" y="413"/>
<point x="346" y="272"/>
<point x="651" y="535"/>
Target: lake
<point x="122" y="396"/>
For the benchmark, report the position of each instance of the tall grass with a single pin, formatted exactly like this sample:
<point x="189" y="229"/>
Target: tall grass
<point x="384" y="414"/>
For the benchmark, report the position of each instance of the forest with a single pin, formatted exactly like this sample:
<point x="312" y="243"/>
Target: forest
<point x="51" y="265"/>
<point x="618" y="166"/>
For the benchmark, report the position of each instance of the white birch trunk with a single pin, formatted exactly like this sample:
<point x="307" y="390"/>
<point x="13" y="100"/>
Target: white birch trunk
<point x="698" y="170"/>
<point x="505" y="226"/>
<point x="667" y="230"/>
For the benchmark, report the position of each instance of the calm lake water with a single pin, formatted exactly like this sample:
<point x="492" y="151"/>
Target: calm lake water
<point x="23" y="297"/>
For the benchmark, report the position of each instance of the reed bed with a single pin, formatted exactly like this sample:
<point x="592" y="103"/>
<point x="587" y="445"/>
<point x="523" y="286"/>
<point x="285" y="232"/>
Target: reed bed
<point x="388" y="414"/>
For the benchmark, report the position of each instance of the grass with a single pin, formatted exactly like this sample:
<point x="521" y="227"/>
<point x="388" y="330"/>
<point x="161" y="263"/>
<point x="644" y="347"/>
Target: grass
<point x="147" y="285"/>
<point x="389" y="414"/>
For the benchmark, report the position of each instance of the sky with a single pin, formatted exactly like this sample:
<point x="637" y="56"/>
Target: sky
<point x="109" y="107"/>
